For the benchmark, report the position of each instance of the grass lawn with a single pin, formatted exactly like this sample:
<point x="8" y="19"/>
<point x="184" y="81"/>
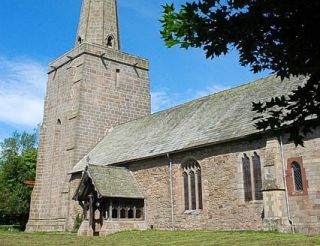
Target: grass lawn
<point x="142" y="238"/>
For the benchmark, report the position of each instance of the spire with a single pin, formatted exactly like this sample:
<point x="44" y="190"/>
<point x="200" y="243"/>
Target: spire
<point x="99" y="23"/>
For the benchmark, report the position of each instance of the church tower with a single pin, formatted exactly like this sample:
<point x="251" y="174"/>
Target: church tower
<point x="92" y="30"/>
<point x="90" y="89"/>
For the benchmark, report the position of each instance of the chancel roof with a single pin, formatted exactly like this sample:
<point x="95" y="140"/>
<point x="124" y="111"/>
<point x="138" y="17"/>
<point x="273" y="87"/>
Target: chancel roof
<point x="224" y="116"/>
<point x="116" y="182"/>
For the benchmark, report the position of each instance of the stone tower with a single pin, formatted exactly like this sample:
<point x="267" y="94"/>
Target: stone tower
<point x="90" y="89"/>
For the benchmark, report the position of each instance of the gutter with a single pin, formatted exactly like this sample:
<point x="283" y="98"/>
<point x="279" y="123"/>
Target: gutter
<point x="171" y="192"/>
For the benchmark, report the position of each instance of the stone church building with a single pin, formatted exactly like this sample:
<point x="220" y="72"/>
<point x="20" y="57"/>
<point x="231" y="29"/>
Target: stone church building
<point x="199" y="165"/>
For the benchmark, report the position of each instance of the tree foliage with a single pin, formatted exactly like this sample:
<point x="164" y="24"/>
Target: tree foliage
<point x="17" y="164"/>
<point x="281" y="36"/>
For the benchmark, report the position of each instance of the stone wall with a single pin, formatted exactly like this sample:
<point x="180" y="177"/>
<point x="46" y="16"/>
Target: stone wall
<point x="305" y="208"/>
<point x="224" y="207"/>
<point x="90" y="90"/>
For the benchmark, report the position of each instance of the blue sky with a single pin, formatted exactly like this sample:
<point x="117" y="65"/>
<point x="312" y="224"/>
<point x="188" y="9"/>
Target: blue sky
<point x="34" y="32"/>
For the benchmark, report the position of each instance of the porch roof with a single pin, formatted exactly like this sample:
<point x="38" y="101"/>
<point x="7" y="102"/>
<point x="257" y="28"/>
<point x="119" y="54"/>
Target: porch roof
<point x="116" y="182"/>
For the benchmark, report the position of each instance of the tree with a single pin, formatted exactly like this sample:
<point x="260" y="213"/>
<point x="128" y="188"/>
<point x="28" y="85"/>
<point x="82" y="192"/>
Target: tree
<point x="17" y="164"/>
<point x="281" y="36"/>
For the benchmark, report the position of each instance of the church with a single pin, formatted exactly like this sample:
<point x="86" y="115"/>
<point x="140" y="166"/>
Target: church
<point x="104" y="158"/>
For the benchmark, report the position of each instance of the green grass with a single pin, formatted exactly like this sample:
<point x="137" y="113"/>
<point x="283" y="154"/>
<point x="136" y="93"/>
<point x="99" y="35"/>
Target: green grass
<point x="142" y="238"/>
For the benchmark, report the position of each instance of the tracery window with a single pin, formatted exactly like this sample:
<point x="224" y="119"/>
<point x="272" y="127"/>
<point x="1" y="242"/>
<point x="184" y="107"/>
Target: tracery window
<point x="191" y="175"/>
<point x="252" y="180"/>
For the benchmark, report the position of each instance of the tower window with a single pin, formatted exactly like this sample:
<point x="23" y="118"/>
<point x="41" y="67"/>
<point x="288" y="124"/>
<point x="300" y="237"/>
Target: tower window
<point x="110" y="41"/>
<point x="191" y="175"/>
<point x="79" y="40"/>
<point x="296" y="177"/>
<point x="59" y="122"/>
<point x="252" y="181"/>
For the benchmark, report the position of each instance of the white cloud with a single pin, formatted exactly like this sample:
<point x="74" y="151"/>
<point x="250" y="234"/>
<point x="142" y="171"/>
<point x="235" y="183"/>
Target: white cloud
<point x="210" y="90"/>
<point x="22" y="89"/>
<point x="150" y="9"/>
<point x="163" y="99"/>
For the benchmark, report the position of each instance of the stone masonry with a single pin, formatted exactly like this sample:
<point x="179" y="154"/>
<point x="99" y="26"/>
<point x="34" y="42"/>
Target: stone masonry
<point x="91" y="89"/>
<point x="224" y="206"/>
<point x="200" y="165"/>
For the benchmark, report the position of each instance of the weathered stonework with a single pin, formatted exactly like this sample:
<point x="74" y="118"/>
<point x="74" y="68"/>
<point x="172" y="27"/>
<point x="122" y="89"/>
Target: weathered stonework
<point x="224" y="207"/>
<point x="96" y="92"/>
<point x="91" y="89"/>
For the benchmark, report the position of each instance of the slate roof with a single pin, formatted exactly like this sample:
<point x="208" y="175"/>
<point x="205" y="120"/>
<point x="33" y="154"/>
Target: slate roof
<point x="217" y="118"/>
<point x="114" y="182"/>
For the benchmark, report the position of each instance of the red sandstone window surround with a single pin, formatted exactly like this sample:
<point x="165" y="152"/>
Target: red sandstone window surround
<point x="297" y="182"/>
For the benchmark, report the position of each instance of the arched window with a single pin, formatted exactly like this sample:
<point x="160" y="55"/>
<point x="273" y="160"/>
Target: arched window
<point x="130" y="213"/>
<point x="297" y="183"/>
<point x="138" y="213"/>
<point x="297" y="177"/>
<point x="114" y="213"/>
<point x="246" y="178"/>
<point x="199" y="188"/>
<point x="252" y="180"/>
<point x="191" y="174"/>
<point x="79" y="40"/>
<point x="256" y="166"/>
<point x="193" y="190"/>
<point x="110" y="41"/>
<point x="122" y="213"/>
<point x="186" y="190"/>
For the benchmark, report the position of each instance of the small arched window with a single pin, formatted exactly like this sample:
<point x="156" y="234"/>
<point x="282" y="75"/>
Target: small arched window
<point x="186" y="190"/>
<point x="297" y="177"/>
<point x="191" y="174"/>
<point x="130" y="213"/>
<point x="256" y="166"/>
<point x="114" y="213"/>
<point x="110" y="41"/>
<point x="122" y="213"/>
<point x="246" y="178"/>
<point x="297" y="183"/>
<point x="79" y="40"/>
<point x="139" y="214"/>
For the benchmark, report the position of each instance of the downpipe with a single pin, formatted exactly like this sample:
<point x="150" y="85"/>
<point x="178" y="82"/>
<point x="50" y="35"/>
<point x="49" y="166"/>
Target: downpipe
<point x="171" y="192"/>
<point x="285" y="186"/>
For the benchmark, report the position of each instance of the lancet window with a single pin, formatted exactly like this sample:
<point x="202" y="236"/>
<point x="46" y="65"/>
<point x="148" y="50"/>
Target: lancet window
<point x="252" y="180"/>
<point x="297" y="177"/>
<point x="297" y="183"/>
<point x="191" y="175"/>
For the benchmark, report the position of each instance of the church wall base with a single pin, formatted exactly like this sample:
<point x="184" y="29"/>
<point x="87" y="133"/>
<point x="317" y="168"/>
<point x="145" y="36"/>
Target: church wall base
<point x="110" y="227"/>
<point x="46" y="225"/>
